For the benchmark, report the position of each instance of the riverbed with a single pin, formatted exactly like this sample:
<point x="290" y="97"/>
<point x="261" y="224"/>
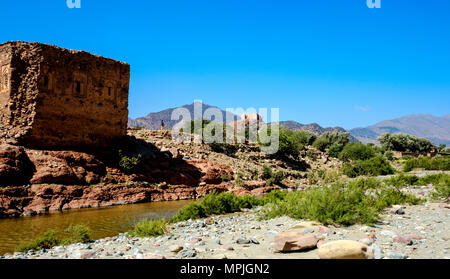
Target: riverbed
<point x="102" y="222"/>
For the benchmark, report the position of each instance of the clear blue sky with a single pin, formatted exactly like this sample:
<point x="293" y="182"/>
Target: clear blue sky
<point x="334" y="62"/>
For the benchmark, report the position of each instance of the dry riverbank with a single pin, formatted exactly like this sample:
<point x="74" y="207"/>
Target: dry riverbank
<point x="414" y="232"/>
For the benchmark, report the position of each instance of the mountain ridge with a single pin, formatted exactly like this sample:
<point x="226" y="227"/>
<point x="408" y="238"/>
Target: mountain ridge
<point x="434" y="128"/>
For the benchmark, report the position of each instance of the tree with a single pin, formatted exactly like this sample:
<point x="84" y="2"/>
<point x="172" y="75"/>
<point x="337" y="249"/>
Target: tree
<point x="356" y="151"/>
<point x="333" y="141"/>
<point x="404" y="142"/>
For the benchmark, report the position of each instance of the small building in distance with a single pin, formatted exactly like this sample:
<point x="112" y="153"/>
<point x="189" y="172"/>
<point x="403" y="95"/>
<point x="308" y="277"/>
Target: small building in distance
<point x="55" y="97"/>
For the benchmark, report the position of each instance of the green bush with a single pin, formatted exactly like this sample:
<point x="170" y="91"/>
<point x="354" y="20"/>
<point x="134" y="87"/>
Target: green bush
<point x="356" y="151"/>
<point x="427" y="163"/>
<point x="77" y="233"/>
<point x="389" y="155"/>
<point x="441" y="183"/>
<point x="402" y="180"/>
<point x="239" y="181"/>
<point x="333" y="141"/>
<point x="149" y="228"/>
<point x="271" y="177"/>
<point x="304" y="137"/>
<point x="442" y="190"/>
<point x="274" y="196"/>
<point x="129" y="164"/>
<point x="276" y="179"/>
<point x="191" y="211"/>
<point x="288" y="145"/>
<point x="413" y="180"/>
<point x="215" y="204"/>
<point x="266" y="172"/>
<point x="46" y="241"/>
<point x="404" y="142"/>
<point x="373" y="167"/>
<point x="344" y="204"/>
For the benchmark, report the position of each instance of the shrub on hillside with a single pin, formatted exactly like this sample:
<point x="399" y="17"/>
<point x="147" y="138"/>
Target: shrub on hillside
<point x="288" y="145"/>
<point x="304" y="137"/>
<point x="272" y="178"/>
<point x="129" y="164"/>
<point x="333" y="141"/>
<point x="356" y="151"/>
<point x="372" y="167"/>
<point x="427" y="163"/>
<point x="404" y="142"/>
<point x="344" y="204"/>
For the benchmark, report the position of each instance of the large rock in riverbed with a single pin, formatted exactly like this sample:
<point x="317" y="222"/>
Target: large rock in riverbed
<point x="344" y="249"/>
<point x="293" y="241"/>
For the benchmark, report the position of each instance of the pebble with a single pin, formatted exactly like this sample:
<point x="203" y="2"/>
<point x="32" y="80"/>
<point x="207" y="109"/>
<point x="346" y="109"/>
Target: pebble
<point x="388" y="233"/>
<point x="396" y="256"/>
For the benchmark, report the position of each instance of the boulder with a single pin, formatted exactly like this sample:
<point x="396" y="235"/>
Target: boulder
<point x="344" y="249"/>
<point x="15" y="166"/>
<point x="293" y="241"/>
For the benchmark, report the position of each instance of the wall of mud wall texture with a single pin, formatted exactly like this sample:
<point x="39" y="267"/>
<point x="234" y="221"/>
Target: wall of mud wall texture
<point x="63" y="98"/>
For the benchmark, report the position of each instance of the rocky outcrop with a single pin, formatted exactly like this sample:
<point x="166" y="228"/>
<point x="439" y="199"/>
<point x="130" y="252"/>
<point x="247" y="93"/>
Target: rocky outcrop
<point x="15" y="166"/>
<point x="65" y="167"/>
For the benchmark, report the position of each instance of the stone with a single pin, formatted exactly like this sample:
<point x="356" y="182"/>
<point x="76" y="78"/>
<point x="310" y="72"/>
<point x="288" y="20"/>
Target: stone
<point x="209" y="221"/>
<point x="444" y="205"/>
<point x="323" y="229"/>
<point x="403" y="239"/>
<point x="175" y="248"/>
<point x="415" y="236"/>
<point x="344" y="249"/>
<point x="153" y="256"/>
<point x="306" y="225"/>
<point x="376" y="252"/>
<point x="87" y="255"/>
<point x="320" y="243"/>
<point x="226" y="248"/>
<point x="254" y="240"/>
<point x="307" y="230"/>
<point x="243" y="241"/>
<point x="292" y="241"/>
<point x="388" y="233"/>
<point x="125" y="248"/>
<point x="397" y="256"/>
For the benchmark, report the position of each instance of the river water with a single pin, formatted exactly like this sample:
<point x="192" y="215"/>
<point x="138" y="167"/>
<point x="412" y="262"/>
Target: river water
<point x="102" y="222"/>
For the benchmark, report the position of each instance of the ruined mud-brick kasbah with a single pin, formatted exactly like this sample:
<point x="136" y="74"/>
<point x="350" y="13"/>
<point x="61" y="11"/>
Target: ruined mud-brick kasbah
<point x="56" y="97"/>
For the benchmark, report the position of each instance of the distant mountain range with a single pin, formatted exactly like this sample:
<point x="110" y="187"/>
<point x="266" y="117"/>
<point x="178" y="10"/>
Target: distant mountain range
<point x="436" y="129"/>
<point x="153" y="120"/>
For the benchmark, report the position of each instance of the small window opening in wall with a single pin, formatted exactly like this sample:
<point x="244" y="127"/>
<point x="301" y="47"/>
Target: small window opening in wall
<point x="78" y="89"/>
<point x="46" y="81"/>
<point x="109" y="91"/>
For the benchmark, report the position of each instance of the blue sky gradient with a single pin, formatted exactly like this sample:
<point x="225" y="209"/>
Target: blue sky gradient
<point x="337" y="63"/>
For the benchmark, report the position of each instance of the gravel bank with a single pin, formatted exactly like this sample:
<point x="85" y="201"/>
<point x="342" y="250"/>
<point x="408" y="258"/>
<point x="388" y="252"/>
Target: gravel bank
<point x="412" y="232"/>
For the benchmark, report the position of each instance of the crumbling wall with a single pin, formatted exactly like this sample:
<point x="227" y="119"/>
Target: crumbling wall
<point x="5" y="61"/>
<point x="66" y="98"/>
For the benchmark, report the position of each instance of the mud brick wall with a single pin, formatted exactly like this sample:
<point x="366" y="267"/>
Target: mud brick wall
<point x="62" y="98"/>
